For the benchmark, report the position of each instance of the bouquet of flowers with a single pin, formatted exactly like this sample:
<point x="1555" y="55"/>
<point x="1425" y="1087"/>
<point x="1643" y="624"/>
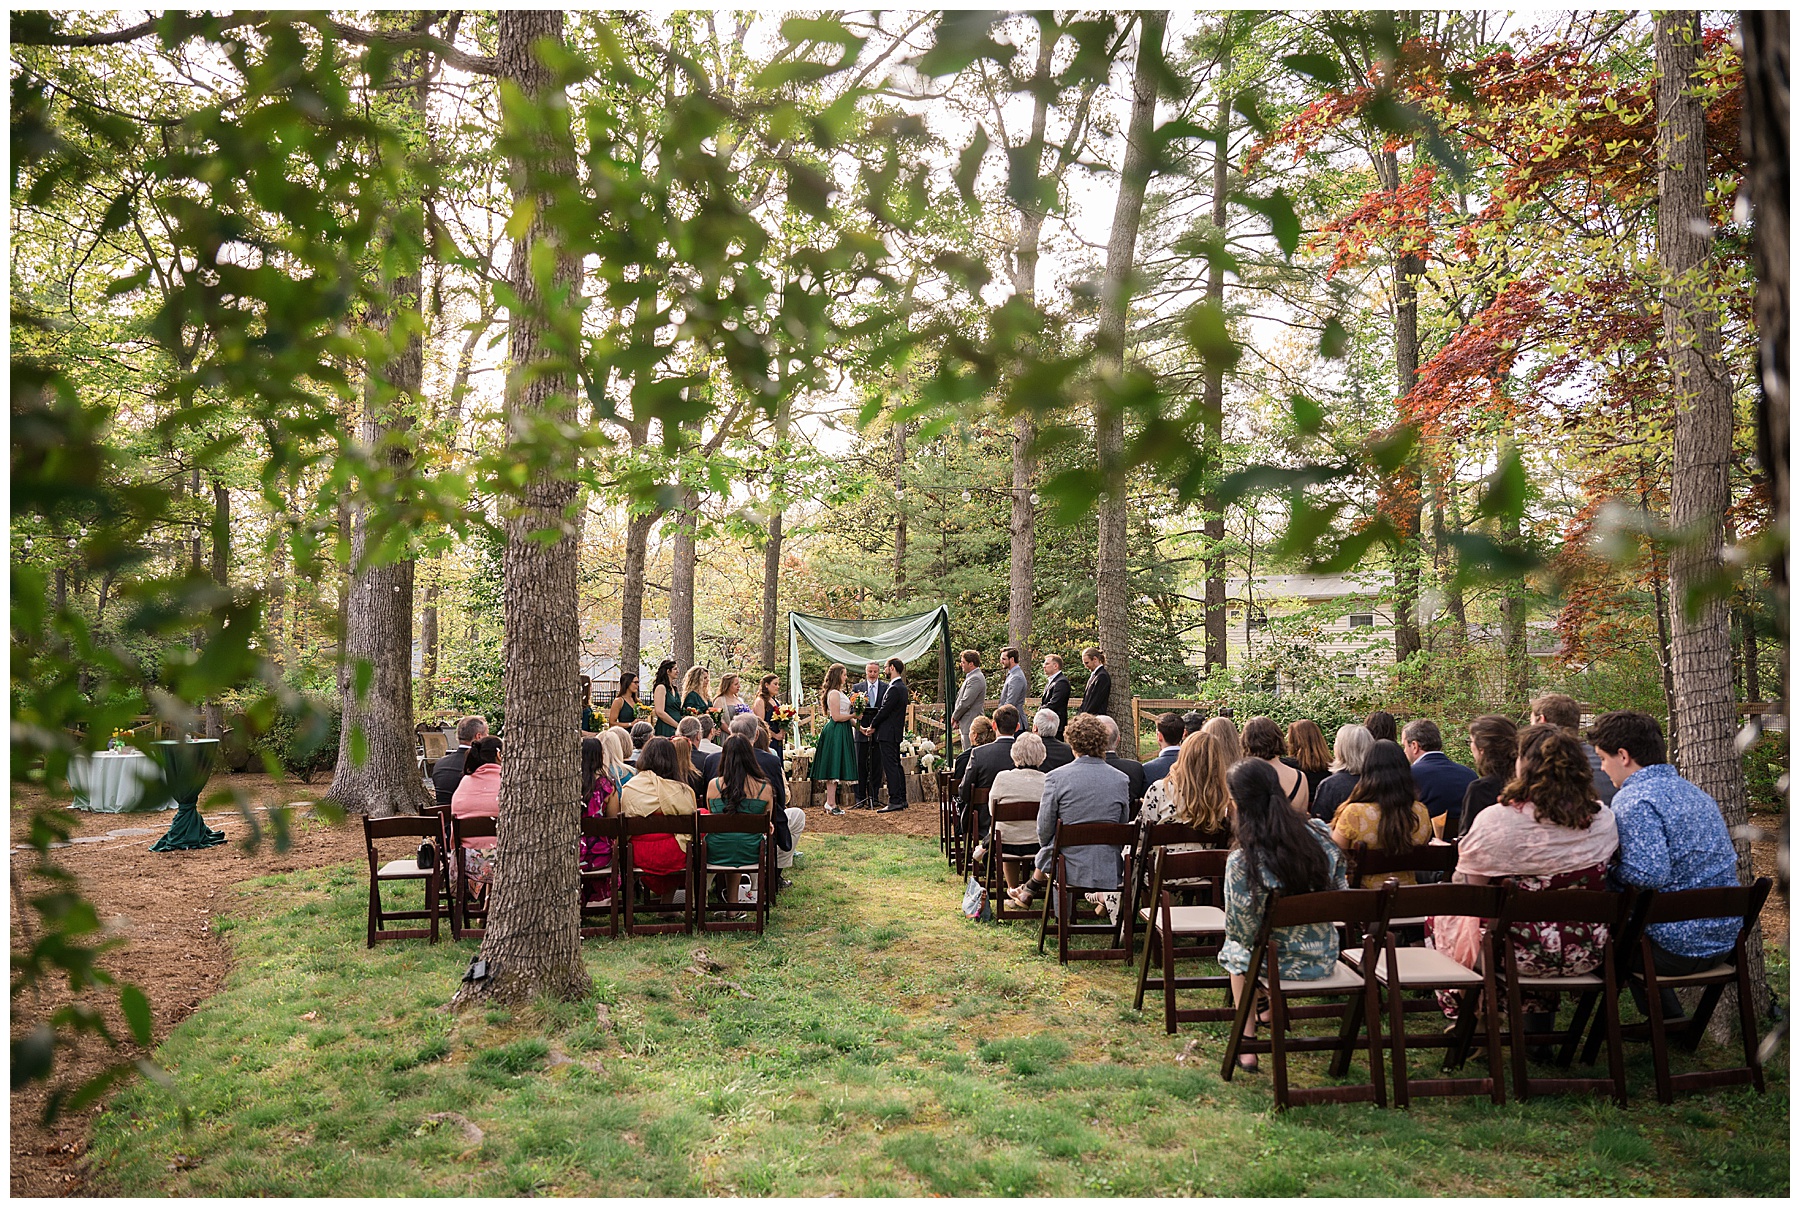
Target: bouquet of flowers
<point x="786" y="713"/>
<point x="907" y="748"/>
<point x="929" y="761"/>
<point x="858" y="702"/>
<point x="927" y="747"/>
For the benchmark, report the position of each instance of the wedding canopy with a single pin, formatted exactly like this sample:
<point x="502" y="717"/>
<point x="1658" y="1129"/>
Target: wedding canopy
<point x="854" y="642"/>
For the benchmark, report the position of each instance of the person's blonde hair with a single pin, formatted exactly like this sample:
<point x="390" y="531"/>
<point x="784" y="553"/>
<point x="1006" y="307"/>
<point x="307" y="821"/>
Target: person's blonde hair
<point x="696" y="675"/>
<point x="1350" y="748"/>
<point x="1197" y="784"/>
<point x="1224" y="731"/>
<point x="1028" y="750"/>
<point x="982" y="732"/>
<point x="684" y="758"/>
<point x="615" y="750"/>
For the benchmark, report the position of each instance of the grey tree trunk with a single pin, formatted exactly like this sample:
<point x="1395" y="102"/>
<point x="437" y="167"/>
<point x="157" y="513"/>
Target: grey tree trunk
<point x="1406" y="505"/>
<point x="631" y="591"/>
<point x="213" y="715"/>
<point x="1700" y="639"/>
<point x="1112" y="565"/>
<point x="275" y="624"/>
<point x="681" y="580"/>
<point x="899" y="443"/>
<point x="532" y="945"/>
<point x="1213" y="401"/>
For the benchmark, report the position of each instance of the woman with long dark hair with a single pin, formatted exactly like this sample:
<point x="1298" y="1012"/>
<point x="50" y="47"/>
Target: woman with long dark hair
<point x="600" y="799"/>
<point x="1495" y="742"/>
<point x="835" y="759"/>
<point x="1278" y="847"/>
<point x="739" y="788"/>
<point x="767" y="707"/>
<point x="1384" y="810"/>
<point x="663" y="702"/>
<point x="1380" y="724"/>
<point x="623" y="710"/>
<point x="1264" y="740"/>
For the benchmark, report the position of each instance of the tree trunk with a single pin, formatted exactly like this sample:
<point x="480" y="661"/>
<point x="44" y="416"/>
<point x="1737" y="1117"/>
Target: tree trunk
<point x="631" y="591"/>
<point x="213" y="714"/>
<point x="1514" y="610"/>
<point x="1752" y="673"/>
<point x="197" y="545"/>
<point x="771" y="587"/>
<point x="428" y="643"/>
<point x="276" y="625"/>
<point x="1405" y="506"/>
<point x="532" y="945"/>
<point x="1112" y="564"/>
<point x="1765" y="141"/>
<point x="1213" y="401"/>
<point x="681" y="580"/>
<point x="1700" y="491"/>
<point x="899" y="439"/>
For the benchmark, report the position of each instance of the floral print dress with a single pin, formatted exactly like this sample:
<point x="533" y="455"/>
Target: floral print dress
<point x="1305" y="953"/>
<point x="597" y="853"/>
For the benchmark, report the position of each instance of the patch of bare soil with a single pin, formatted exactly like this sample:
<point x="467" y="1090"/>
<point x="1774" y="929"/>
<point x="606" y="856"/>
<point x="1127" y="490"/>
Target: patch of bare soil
<point x="1765" y="850"/>
<point x="162" y="904"/>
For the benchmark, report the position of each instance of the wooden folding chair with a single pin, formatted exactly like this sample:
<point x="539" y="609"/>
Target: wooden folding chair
<point x="435" y="745"/>
<point x="1742" y="902"/>
<point x="1363" y="908"/>
<point x="467" y="904"/>
<point x="612" y="829"/>
<point x="966" y="828"/>
<point x="1562" y="906"/>
<point x="657" y="824"/>
<point x="946" y="793"/>
<point x="1364" y="864"/>
<point x="1006" y="811"/>
<point x="763" y="869"/>
<point x="406" y="868"/>
<point x="1167" y="926"/>
<point x="1069" y="898"/>
<point x="1135" y="894"/>
<point x="443" y="841"/>
<point x="1420" y="972"/>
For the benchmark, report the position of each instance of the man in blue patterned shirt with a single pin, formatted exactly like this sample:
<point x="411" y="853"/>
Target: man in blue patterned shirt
<point x="1671" y="837"/>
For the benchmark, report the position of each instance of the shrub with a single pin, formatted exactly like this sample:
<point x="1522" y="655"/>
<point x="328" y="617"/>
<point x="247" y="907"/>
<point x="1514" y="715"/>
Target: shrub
<point x="1765" y="767"/>
<point x="298" y="730"/>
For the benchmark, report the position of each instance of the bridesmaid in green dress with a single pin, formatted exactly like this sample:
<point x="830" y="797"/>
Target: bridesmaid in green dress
<point x="739" y="788"/>
<point x="696" y="692"/>
<point x="664" y="709"/>
<point x="835" y="758"/>
<point x="623" y="710"/>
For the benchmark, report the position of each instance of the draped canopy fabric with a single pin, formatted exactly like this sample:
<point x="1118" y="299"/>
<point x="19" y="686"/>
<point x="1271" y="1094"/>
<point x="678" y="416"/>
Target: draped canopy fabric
<point x="876" y="639"/>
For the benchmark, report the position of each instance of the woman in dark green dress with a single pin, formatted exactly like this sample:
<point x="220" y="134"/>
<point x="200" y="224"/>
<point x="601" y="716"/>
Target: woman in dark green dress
<point x="739" y="788"/>
<point x="590" y="720"/>
<point x="623" y="710"/>
<point x="696" y="692"/>
<point x="664" y="709"/>
<point x="835" y="757"/>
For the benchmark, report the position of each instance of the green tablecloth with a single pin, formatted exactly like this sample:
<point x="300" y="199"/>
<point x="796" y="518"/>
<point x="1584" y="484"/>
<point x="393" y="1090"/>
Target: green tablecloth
<point x="186" y="767"/>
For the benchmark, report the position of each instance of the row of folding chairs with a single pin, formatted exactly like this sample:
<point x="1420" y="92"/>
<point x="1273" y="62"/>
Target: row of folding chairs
<point x="621" y="903"/>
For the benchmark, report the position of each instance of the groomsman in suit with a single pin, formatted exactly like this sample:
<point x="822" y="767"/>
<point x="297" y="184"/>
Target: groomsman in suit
<point x="1056" y="691"/>
<point x="1097" y="696"/>
<point x="1014" y="687"/>
<point x="972" y="699"/>
<point x="872" y="687"/>
<point x="888" y="730"/>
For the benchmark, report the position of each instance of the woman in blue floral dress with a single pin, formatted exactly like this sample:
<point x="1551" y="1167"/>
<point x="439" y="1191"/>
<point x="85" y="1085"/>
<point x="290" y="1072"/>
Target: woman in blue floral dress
<point x="1278" y="848"/>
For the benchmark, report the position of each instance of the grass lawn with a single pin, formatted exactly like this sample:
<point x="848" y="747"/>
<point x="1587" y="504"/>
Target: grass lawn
<point x="874" y="1043"/>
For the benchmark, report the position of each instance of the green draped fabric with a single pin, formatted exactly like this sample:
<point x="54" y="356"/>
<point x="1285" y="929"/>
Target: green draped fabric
<point x="186" y="767"/>
<point x="855" y="642"/>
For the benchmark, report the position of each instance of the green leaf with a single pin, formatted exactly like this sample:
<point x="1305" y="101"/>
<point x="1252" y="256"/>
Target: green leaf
<point x="968" y="165"/>
<point x="1206" y="332"/>
<point x="126" y="284"/>
<point x="961" y="38"/>
<point x="809" y="190"/>
<point x="1322" y="68"/>
<point x="1284" y="224"/>
<point x="1505" y="493"/>
<point x="1334" y="340"/>
<point x="1390" y="452"/>
<point x="1309" y="417"/>
<point x="136" y="1007"/>
<point x="33" y="1054"/>
<point x="1246" y="104"/>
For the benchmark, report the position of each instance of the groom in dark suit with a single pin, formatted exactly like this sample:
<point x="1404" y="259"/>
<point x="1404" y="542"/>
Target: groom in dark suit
<point x="887" y="730"/>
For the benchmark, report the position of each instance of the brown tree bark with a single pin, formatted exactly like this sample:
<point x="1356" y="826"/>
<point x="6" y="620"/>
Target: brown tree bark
<point x="772" y="551"/>
<point x="1213" y="400"/>
<point x="1408" y="511"/>
<point x="681" y="580"/>
<point x="1700" y="639"/>
<point x="532" y="945"/>
<point x="275" y="624"/>
<point x="1112" y="565"/>
<point x="1765" y="141"/>
<point x="898" y="433"/>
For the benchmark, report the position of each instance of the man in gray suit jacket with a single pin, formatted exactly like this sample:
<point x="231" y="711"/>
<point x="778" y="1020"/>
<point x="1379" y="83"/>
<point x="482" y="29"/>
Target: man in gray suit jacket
<point x="1014" y="687"/>
<point x="972" y="700"/>
<point x="1088" y="790"/>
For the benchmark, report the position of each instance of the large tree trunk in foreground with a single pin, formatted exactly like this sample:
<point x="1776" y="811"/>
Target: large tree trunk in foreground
<point x="532" y="945"/>
<point x="1700" y="641"/>
<point x="1112" y="569"/>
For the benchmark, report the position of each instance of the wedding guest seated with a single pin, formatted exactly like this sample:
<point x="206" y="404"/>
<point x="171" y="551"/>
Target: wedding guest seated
<point x="1224" y="731"/>
<point x="1441" y="780"/>
<point x="1278" y="847"/>
<point x="627" y="752"/>
<point x="478" y="796"/>
<point x="1023" y="782"/>
<point x="1191" y="721"/>
<point x="600" y="797"/>
<point x="1088" y="790"/>
<point x="447" y="772"/>
<point x="1169" y="732"/>
<point x="789" y="820"/>
<point x="1134" y="771"/>
<point x="685" y="766"/>
<point x="1495" y="742"/>
<point x="741" y="787"/>
<point x="1263" y="740"/>
<point x="709" y="730"/>
<point x="641" y="733"/>
<point x="658" y="787"/>
<point x="1306" y="747"/>
<point x="981" y="732"/>
<point x="1347" y="753"/>
<point x="1048" y="726"/>
<point x="1671" y="837"/>
<point x="1384" y="812"/>
<point x="1548" y="831"/>
<point x="1559" y="709"/>
<point x="988" y="761"/>
<point x="1380" y="724"/>
<point x="689" y="728"/>
<point x="1194" y="793"/>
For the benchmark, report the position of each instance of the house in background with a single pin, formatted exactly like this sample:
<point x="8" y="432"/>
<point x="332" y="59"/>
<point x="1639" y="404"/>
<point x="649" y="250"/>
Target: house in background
<point x="600" y="655"/>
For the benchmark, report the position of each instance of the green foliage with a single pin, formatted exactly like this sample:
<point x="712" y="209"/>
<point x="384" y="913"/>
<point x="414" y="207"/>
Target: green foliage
<point x="1766" y="766"/>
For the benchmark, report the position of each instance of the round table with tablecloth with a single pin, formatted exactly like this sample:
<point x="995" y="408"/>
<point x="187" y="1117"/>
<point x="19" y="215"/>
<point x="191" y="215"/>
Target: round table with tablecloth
<point x="186" y="766"/>
<point x="116" y="782"/>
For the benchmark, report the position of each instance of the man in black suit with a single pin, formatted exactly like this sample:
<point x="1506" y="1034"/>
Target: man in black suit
<point x="1056" y="751"/>
<point x="1170" y="729"/>
<point x="1133" y="770"/>
<point x="988" y="761"/>
<point x="447" y="772"/>
<point x="868" y="756"/>
<point x="1056" y="691"/>
<point x="1096" y="698"/>
<point x="887" y="729"/>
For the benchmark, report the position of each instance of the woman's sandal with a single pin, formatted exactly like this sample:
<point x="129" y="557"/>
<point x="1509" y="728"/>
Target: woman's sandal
<point x="1025" y="895"/>
<point x="1247" y="1062"/>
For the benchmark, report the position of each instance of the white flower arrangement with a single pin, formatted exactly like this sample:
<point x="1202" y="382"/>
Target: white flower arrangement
<point x="927" y="747"/>
<point x="906" y="748"/>
<point x="928" y="762"/>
